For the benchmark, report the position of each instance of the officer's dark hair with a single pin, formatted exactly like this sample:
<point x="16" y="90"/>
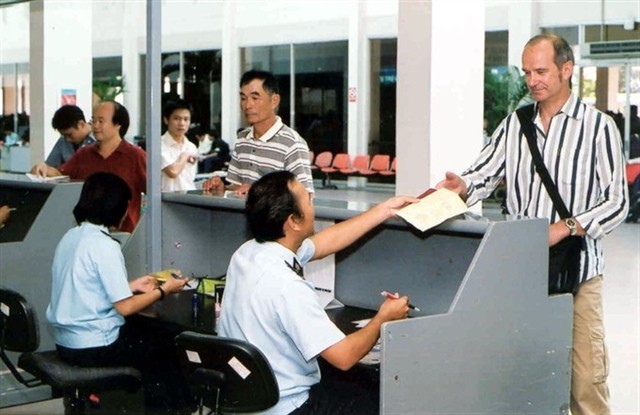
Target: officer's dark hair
<point x="269" y="204"/>
<point x="104" y="200"/>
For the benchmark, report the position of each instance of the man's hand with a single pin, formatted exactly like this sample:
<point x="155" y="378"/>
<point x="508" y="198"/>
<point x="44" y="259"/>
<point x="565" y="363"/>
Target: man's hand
<point x="454" y="183"/>
<point x="558" y="231"/>
<point x="394" y="309"/>
<point x="174" y="285"/>
<point x="4" y="214"/>
<point x="214" y="184"/>
<point x="392" y="205"/>
<point x="40" y="169"/>
<point x="189" y="157"/>
<point x="243" y="189"/>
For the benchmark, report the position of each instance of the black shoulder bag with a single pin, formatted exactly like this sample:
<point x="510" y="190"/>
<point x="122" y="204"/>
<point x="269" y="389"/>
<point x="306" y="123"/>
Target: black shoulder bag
<point x="564" y="257"/>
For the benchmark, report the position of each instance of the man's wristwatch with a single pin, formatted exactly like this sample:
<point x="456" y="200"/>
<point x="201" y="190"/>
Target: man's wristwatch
<point x="572" y="225"/>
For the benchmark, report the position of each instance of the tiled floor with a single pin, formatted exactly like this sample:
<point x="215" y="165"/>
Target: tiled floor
<point x="621" y="309"/>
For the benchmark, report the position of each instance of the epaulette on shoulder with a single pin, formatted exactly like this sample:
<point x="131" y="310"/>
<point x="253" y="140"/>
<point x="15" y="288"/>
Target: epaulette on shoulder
<point x="111" y="237"/>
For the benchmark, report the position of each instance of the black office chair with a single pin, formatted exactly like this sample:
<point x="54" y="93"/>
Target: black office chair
<point x="19" y="333"/>
<point x="226" y="375"/>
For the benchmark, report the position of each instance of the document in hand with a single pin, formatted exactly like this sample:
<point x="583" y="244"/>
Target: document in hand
<point x="433" y="209"/>
<point x="53" y="179"/>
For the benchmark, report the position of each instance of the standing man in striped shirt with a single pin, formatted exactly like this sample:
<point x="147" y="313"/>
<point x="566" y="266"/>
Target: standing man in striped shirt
<point x="268" y="145"/>
<point x="581" y="149"/>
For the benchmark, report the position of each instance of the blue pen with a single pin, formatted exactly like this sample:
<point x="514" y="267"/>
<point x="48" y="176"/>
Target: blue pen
<point x="195" y="305"/>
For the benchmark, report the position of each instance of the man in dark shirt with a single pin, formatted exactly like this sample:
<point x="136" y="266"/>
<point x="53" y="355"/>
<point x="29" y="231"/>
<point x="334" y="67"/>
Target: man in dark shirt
<point x="75" y="132"/>
<point x="111" y="153"/>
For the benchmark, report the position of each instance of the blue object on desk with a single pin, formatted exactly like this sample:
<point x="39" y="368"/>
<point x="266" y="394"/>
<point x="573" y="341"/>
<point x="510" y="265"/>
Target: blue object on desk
<point x="195" y="305"/>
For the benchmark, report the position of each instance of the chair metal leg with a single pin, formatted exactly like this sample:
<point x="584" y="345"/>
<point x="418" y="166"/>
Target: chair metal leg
<point x="74" y="404"/>
<point x="326" y="182"/>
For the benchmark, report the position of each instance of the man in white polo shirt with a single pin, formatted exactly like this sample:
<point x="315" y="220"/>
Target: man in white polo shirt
<point x="178" y="154"/>
<point x="268" y="145"/>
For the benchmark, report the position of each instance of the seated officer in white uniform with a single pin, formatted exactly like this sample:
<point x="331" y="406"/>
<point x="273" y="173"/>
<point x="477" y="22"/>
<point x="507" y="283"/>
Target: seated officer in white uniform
<point x="268" y="303"/>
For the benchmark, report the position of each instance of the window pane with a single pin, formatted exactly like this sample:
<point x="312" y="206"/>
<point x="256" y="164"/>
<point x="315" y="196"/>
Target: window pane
<point x="384" y="53"/>
<point x="275" y="59"/>
<point x="321" y="79"/>
<point x="199" y="84"/>
<point x="202" y="86"/>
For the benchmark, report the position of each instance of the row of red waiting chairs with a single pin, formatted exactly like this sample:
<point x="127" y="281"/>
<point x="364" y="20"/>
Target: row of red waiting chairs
<point x="360" y="165"/>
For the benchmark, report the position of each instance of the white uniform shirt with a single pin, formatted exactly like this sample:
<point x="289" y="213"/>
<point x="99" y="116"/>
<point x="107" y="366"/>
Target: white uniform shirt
<point x="170" y="151"/>
<point x="267" y="304"/>
<point x="89" y="275"/>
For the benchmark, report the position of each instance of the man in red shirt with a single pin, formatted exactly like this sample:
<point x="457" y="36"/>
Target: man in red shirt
<point x="111" y="153"/>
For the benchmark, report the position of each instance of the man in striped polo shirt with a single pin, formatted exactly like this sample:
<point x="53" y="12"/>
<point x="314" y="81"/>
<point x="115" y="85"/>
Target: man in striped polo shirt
<point x="268" y="145"/>
<point x="581" y="150"/>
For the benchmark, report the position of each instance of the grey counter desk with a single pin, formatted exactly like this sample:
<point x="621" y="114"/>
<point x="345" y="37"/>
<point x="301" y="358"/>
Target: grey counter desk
<point x="488" y="339"/>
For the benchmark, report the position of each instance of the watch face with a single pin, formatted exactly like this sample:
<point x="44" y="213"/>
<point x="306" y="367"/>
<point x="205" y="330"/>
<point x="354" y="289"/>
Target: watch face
<point x="571" y="222"/>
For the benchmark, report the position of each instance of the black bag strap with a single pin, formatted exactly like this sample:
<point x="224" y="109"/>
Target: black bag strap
<point x="525" y="115"/>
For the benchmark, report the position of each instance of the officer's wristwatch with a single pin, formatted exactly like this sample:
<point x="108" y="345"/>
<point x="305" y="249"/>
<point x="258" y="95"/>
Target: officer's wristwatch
<point x="572" y="225"/>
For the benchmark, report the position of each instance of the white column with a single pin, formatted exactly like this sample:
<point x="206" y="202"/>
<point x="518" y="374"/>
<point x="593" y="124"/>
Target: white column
<point x="612" y="91"/>
<point x="134" y="16"/>
<point x="440" y="90"/>
<point x="60" y="63"/>
<point x="522" y="27"/>
<point x="358" y="85"/>
<point x="230" y="75"/>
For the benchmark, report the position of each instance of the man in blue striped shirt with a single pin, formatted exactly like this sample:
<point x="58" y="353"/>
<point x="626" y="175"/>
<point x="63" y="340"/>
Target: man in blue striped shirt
<point x="581" y="149"/>
<point x="268" y="145"/>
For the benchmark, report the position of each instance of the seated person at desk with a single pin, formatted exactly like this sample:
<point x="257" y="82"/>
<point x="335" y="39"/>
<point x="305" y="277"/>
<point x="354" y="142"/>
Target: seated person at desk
<point x="267" y="146"/>
<point x="268" y="303"/>
<point x="75" y="132"/>
<point x="90" y="294"/>
<point x="213" y="151"/>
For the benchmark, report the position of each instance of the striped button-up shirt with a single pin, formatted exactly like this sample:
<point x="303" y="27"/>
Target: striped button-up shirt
<point x="583" y="154"/>
<point x="280" y="148"/>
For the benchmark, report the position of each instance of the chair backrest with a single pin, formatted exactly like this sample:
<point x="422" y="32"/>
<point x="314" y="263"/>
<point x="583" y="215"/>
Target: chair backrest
<point x="380" y="162"/>
<point x="341" y="161"/>
<point x="236" y="368"/>
<point x="393" y="163"/>
<point x="18" y="331"/>
<point x="361" y="162"/>
<point x="324" y="159"/>
<point x="18" y="323"/>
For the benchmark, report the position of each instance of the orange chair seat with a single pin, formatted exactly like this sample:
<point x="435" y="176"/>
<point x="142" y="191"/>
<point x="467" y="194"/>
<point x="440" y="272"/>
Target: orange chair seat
<point x="379" y="162"/>
<point x="392" y="169"/>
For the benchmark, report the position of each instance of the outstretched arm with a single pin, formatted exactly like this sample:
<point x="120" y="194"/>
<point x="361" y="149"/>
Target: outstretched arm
<point x="343" y="234"/>
<point x="147" y="285"/>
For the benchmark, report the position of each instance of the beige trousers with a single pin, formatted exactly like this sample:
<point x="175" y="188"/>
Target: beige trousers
<point x="589" y="390"/>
